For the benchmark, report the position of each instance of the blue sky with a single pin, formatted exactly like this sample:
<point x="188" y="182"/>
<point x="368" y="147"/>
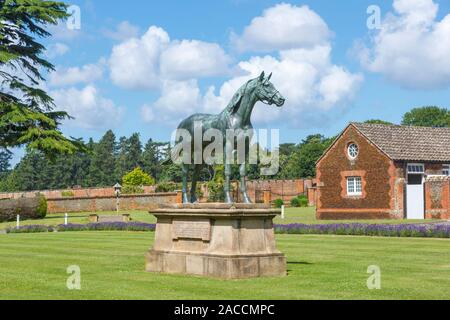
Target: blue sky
<point x="116" y="73"/>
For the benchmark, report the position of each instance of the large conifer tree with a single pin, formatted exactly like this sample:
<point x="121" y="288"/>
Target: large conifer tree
<point x="27" y="114"/>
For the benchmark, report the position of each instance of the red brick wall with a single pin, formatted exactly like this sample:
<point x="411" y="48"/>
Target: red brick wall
<point x="77" y="193"/>
<point x="108" y="203"/>
<point x="378" y="174"/>
<point x="312" y="196"/>
<point x="279" y="189"/>
<point x="437" y="198"/>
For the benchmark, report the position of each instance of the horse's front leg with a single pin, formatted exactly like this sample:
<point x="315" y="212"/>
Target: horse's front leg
<point x="243" y="184"/>
<point x="227" y="184"/>
<point x="185" y="171"/>
<point x="195" y="177"/>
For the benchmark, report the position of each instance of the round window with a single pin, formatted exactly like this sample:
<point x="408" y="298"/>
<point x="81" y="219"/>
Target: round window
<point x="353" y="151"/>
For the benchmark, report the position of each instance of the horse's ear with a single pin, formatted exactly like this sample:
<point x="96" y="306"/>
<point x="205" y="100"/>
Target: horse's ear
<point x="270" y="77"/>
<point x="261" y="77"/>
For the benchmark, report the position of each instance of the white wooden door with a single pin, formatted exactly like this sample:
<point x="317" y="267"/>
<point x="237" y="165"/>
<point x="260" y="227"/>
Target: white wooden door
<point x="415" y="206"/>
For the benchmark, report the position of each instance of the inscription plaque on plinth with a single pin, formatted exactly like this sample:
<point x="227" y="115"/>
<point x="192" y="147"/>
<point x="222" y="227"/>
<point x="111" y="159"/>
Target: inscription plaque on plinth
<point x="189" y="229"/>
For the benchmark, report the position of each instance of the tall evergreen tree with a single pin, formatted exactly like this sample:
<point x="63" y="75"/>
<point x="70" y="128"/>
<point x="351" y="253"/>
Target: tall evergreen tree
<point x="134" y="152"/>
<point x="150" y="161"/>
<point x="27" y="115"/>
<point x="102" y="166"/>
<point x="121" y="158"/>
<point x="129" y="155"/>
<point x="5" y="158"/>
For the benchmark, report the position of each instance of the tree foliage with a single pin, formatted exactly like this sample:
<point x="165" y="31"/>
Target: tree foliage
<point x="27" y="115"/>
<point x="301" y="162"/>
<point x="377" y="121"/>
<point x="5" y="158"/>
<point x="138" y="177"/>
<point x="98" y="167"/>
<point x="427" y="117"/>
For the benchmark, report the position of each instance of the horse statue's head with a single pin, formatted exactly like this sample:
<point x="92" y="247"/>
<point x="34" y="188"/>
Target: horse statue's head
<point x="258" y="89"/>
<point x="267" y="93"/>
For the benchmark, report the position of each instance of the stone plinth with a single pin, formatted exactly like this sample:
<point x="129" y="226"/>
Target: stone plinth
<point x="216" y="240"/>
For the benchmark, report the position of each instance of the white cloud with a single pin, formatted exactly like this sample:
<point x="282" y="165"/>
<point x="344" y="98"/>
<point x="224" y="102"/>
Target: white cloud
<point x="282" y="27"/>
<point x="302" y="71"/>
<point x="188" y="58"/>
<point x="147" y="113"/>
<point x="146" y="62"/>
<point x="75" y="75"/>
<point x="309" y="85"/>
<point x="62" y="33"/>
<point x="134" y="64"/>
<point x="88" y="107"/>
<point x="56" y="50"/>
<point x="412" y="48"/>
<point x="124" y="30"/>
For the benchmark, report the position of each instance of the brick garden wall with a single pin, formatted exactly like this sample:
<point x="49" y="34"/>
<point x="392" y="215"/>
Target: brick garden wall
<point x="437" y="198"/>
<point x="77" y="193"/>
<point x="279" y="189"/>
<point x="108" y="203"/>
<point x="103" y="199"/>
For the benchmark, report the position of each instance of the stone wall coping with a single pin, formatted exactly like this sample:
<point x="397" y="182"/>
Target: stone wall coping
<point x="437" y="178"/>
<point x="215" y="205"/>
<point x="215" y="213"/>
<point x="140" y="195"/>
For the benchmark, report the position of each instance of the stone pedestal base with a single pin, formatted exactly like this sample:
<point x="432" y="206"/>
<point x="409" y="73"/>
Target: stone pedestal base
<point x="216" y="240"/>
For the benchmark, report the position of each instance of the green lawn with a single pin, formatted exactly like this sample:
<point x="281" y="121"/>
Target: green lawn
<point x="33" y="266"/>
<point x="293" y="215"/>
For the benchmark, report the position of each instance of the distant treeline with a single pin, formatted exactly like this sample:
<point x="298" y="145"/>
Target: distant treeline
<point x="108" y="160"/>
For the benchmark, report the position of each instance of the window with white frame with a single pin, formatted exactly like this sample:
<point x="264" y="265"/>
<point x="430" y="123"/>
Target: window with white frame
<point x="353" y="151"/>
<point x="354" y="186"/>
<point x="446" y="170"/>
<point x="416" y="168"/>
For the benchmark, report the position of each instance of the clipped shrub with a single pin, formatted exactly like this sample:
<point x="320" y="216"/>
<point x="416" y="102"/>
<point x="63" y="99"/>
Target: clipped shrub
<point x="167" y="187"/>
<point x="303" y="201"/>
<point x="278" y="203"/>
<point x="67" y="194"/>
<point x="300" y="202"/>
<point x="127" y="189"/>
<point x="215" y="186"/>
<point x="295" y="202"/>
<point x="138" y="177"/>
<point x="27" y="208"/>
<point x="41" y="210"/>
<point x="431" y="230"/>
<point x="30" y="229"/>
<point x="108" y="226"/>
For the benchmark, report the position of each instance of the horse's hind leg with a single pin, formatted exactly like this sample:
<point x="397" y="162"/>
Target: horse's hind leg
<point x="185" y="171"/>
<point x="227" y="184"/>
<point x="243" y="185"/>
<point x="195" y="177"/>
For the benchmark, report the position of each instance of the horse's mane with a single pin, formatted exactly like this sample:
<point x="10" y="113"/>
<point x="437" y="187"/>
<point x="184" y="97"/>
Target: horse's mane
<point x="236" y="101"/>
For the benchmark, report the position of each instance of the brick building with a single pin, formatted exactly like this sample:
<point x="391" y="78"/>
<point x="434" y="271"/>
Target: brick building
<point x="374" y="171"/>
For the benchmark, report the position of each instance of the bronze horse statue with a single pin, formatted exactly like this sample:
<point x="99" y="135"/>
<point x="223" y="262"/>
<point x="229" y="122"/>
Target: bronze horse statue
<point x="236" y="116"/>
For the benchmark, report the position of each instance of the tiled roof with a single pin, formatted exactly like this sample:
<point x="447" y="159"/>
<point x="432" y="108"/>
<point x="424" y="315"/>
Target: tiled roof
<point x="409" y="143"/>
